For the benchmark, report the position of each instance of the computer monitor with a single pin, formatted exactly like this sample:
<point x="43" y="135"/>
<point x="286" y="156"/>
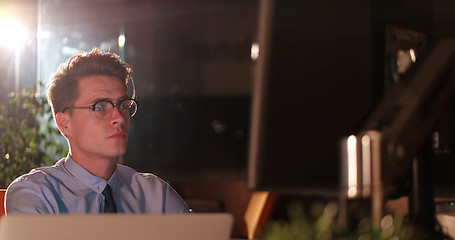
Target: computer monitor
<point x="313" y="85"/>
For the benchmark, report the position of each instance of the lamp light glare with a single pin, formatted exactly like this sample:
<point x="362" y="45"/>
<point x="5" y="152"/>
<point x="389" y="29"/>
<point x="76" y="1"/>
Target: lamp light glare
<point x="121" y="40"/>
<point x="352" y="166"/>
<point x="254" y="51"/>
<point x="12" y="33"/>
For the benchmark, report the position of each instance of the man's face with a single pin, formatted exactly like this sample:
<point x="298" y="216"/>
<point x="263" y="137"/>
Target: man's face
<point x="90" y="136"/>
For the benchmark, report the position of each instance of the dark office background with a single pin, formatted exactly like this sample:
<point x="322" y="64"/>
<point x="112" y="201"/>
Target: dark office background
<point x="192" y="66"/>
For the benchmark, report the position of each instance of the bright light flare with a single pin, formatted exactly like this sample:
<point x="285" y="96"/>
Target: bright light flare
<point x="412" y="53"/>
<point x="366" y="165"/>
<point x="12" y="34"/>
<point x="121" y="40"/>
<point x="352" y="166"/>
<point x="254" y="51"/>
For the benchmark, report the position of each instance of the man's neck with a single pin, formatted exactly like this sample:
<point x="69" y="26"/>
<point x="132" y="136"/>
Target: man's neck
<point x="102" y="167"/>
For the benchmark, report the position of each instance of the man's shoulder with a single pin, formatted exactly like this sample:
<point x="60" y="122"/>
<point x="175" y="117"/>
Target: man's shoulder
<point x="151" y="177"/>
<point x="40" y="174"/>
<point x="139" y="176"/>
<point x="156" y="189"/>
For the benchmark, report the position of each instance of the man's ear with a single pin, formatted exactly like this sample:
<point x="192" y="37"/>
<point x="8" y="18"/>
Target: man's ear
<point x="63" y="123"/>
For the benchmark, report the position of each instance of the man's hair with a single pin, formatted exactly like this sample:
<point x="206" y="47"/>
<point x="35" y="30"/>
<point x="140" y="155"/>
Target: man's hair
<point x="63" y="90"/>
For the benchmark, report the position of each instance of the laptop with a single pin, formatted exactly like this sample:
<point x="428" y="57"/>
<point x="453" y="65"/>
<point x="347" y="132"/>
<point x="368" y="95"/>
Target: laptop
<point x="206" y="226"/>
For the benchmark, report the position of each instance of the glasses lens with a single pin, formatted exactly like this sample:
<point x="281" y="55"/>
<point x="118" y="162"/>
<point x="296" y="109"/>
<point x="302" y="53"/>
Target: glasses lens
<point x="127" y="107"/>
<point x="132" y="107"/>
<point x="103" y="110"/>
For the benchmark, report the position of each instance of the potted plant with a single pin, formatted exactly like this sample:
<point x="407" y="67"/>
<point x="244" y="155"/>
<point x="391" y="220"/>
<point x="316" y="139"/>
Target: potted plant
<point x="27" y="137"/>
<point x="322" y="223"/>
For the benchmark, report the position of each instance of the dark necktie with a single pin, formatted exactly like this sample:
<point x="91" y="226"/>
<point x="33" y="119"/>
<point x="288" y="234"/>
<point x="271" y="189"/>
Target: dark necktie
<point x="109" y="203"/>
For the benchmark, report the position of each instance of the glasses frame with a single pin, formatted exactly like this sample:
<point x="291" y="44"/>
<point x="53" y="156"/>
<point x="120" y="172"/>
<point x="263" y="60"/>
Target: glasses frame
<point x="114" y="105"/>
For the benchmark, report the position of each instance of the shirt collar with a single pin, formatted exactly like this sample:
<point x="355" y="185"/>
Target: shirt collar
<point x="115" y="180"/>
<point x="95" y="183"/>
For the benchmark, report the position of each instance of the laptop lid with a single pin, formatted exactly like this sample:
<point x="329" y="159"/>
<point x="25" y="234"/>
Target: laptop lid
<point x="205" y="226"/>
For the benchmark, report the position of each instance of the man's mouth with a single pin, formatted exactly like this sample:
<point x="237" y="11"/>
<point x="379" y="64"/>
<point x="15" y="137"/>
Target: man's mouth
<point x="118" y="135"/>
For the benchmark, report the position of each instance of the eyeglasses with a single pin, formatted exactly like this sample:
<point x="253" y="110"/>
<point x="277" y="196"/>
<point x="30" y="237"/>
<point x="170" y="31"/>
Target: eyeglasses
<point x="104" y="108"/>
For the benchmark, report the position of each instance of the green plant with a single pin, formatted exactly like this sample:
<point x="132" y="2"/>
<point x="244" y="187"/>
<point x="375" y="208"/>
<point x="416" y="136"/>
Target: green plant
<point x="323" y="224"/>
<point x="27" y="139"/>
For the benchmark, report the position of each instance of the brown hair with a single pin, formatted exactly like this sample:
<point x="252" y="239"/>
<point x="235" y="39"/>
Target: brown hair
<point x="63" y="91"/>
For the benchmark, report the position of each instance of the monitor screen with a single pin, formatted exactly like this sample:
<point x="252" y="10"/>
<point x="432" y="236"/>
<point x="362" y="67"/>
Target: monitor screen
<point x="313" y="86"/>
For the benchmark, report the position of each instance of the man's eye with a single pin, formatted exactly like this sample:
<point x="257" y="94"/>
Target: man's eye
<point x="123" y="106"/>
<point x="100" y="107"/>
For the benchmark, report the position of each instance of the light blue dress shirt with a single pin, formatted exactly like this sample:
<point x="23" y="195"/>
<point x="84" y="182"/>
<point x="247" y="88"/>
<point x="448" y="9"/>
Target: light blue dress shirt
<point x="67" y="187"/>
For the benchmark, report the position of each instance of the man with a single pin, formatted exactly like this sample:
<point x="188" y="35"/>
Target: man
<point x="90" y="105"/>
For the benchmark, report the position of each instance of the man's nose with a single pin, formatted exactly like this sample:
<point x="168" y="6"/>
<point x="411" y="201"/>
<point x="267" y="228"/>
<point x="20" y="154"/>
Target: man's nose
<point x="117" y="116"/>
